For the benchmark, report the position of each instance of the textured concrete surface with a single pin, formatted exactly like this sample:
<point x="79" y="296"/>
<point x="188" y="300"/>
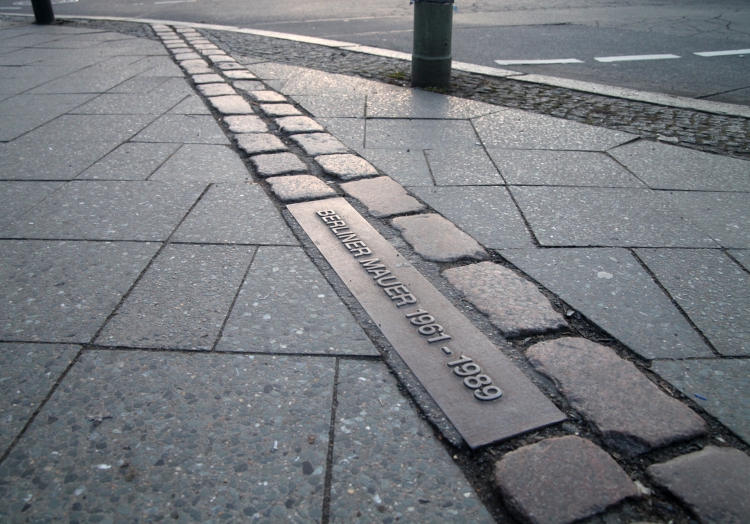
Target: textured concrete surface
<point x="298" y="188"/>
<point x="202" y="163"/>
<point x="275" y="110"/>
<point x="320" y="144"/>
<point x="434" y="238"/>
<point x="298" y="124"/>
<point x="278" y="164"/>
<point x="217" y="89"/>
<point x="382" y="196"/>
<point x="256" y="143"/>
<point x="471" y="167"/>
<point x="346" y="166"/>
<point x="231" y="105"/>
<point x="267" y="96"/>
<point x="246" y="124"/>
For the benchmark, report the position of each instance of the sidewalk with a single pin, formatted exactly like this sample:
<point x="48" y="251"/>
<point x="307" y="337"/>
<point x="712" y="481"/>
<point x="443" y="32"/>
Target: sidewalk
<point x="175" y="347"/>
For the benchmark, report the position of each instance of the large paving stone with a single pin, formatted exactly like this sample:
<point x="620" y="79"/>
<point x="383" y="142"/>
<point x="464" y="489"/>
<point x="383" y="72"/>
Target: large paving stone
<point x="382" y="196"/>
<point x="711" y="288"/>
<point x="191" y="438"/>
<point x="298" y="188"/>
<point x="334" y="104"/>
<point x="88" y="128"/>
<point x="416" y="103"/>
<point x="320" y="144"/>
<point x="231" y="105"/>
<point x="16" y="198"/>
<point x="346" y="166"/>
<point x="721" y="387"/>
<point x="202" y="163"/>
<point x="572" y="216"/>
<point x="95" y="210"/>
<point x="278" y="164"/>
<point x="287" y="306"/>
<point x="419" y="134"/>
<point x="561" y="168"/>
<point x="350" y="131"/>
<point x="516" y="129"/>
<point x="387" y="462"/>
<point x="246" y="124"/>
<point x="130" y="161"/>
<point x="486" y="213"/>
<point x="435" y="238"/>
<point x="408" y="167"/>
<point x="743" y="257"/>
<point x="610" y="288"/>
<point x="462" y="167"/>
<point x="561" y="480"/>
<point x="182" y="300"/>
<point x="724" y="216"/>
<point x="713" y="482"/>
<point x="663" y="166"/>
<point x="256" y="143"/>
<point x="184" y="129"/>
<point x="64" y="291"/>
<point x="235" y="214"/>
<point x="514" y="306"/>
<point x="27" y="374"/>
<point x="298" y="124"/>
<point x="191" y="105"/>
<point x="628" y="410"/>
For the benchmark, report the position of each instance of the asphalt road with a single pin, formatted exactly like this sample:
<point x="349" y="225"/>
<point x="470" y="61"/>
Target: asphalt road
<point x="505" y="30"/>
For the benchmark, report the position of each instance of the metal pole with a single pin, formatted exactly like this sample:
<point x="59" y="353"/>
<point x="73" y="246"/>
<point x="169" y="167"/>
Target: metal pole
<point x="431" y="55"/>
<point x="43" y="11"/>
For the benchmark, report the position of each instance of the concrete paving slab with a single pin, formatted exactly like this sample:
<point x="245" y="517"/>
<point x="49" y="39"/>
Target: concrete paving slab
<point x="196" y="67"/>
<point x="350" y="131"/>
<point x="231" y="105"/>
<point x="109" y="210"/>
<point x="742" y="256"/>
<point x="724" y="216"/>
<point x="333" y="105"/>
<point x="207" y="79"/>
<point x="711" y="288"/>
<point x="387" y="463"/>
<point x="529" y="479"/>
<point x="298" y="124"/>
<point x="89" y="128"/>
<point x="408" y="167"/>
<point x="610" y="288"/>
<point x="96" y="79"/>
<point x="467" y="167"/>
<point x="263" y="95"/>
<point x="346" y="166"/>
<point x="487" y="213"/>
<point x="630" y="413"/>
<point x="382" y="196"/>
<point x="246" y="124"/>
<point x="17" y="198"/>
<point x="162" y="310"/>
<point x="320" y="144"/>
<point x="140" y="84"/>
<point x="221" y="59"/>
<point x="721" y="387"/>
<point x="130" y="104"/>
<point x="130" y="161"/>
<point x="202" y="163"/>
<point x="561" y="168"/>
<point x="420" y="134"/>
<point x="235" y="214"/>
<point x="416" y="103"/>
<point x="300" y="188"/>
<point x="287" y="306"/>
<point x="435" y="238"/>
<point x="22" y="113"/>
<point x="304" y="81"/>
<point x="713" y="482"/>
<point x="27" y="374"/>
<point x="278" y="164"/>
<point x="191" y="105"/>
<point x="664" y="166"/>
<point x="239" y="74"/>
<point x="184" y="129"/>
<point x="516" y="129"/>
<point x="566" y="216"/>
<point x="274" y="110"/>
<point x="64" y="291"/>
<point x="229" y="66"/>
<point x="187" y="56"/>
<point x="236" y="427"/>
<point x="256" y="143"/>
<point x="217" y="89"/>
<point x="248" y="85"/>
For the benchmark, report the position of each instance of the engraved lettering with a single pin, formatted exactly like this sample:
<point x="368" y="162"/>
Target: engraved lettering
<point x="336" y="223"/>
<point x="326" y="213"/>
<point x="331" y="218"/>
<point x="404" y="300"/>
<point x="388" y="281"/>
<point x="361" y="251"/>
<point x="352" y="245"/>
<point x="348" y="237"/>
<point x="396" y="290"/>
<point x="337" y="229"/>
<point x="372" y="262"/>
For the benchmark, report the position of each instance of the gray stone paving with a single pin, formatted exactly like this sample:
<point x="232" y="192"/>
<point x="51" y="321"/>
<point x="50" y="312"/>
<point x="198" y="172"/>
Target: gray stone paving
<point x="724" y="216"/>
<point x="246" y="124"/>
<point x="17" y="198"/>
<point x="471" y="167"/>
<point x="320" y="144"/>
<point x="406" y="166"/>
<point x="299" y="188"/>
<point x="298" y="124"/>
<point x="183" y="129"/>
<point x="382" y="196"/>
<point x="278" y="164"/>
<point x="256" y="143"/>
<point x="202" y="163"/>
<point x="231" y="105"/>
<point x="346" y="166"/>
<point x="130" y="161"/>
<point x="435" y="238"/>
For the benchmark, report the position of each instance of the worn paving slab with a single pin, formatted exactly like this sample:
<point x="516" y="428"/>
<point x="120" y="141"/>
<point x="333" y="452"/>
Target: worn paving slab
<point x="239" y="74"/>
<point x="103" y="210"/>
<point x="435" y="238"/>
<point x="664" y="166"/>
<point x="248" y="85"/>
<point x="486" y="213"/>
<point x="561" y="168"/>
<point x="202" y="163"/>
<point x="191" y="105"/>
<point x="593" y="217"/>
<point x="721" y="387"/>
<point x="64" y="291"/>
<point x="246" y="124"/>
<point x="711" y="288"/>
<point x="276" y="110"/>
<point x="22" y="113"/>
<point x="287" y="306"/>
<point x="469" y="167"/>
<point x="256" y="143"/>
<point x="196" y="67"/>
<point x="408" y="167"/>
<point x="182" y="300"/>
<point x="231" y="105"/>
<point x="610" y="288"/>
<point x="530" y="480"/>
<point x="298" y="124"/>
<point x="320" y="144"/>
<point x="130" y="161"/>
<point x="333" y="104"/>
<point x="630" y="412"/>
<point x="235" y="214"/>
<point x="382" y="196"/>
<point x="350" y="131"/>
<point x="387" y="463"/>
<point x="27" y="374"/>
<point x="184" y="129"/>
<point x="210" y="78"/>
<point x="142" y="84"/>
<point x="267" y="96"/>
<point x="741" y="256"/>
<point x="17" y="198"/>
<point x="278" y="164"/>
<point x="416" y="103"/>
<point x="152" y="103"/>
<point x="514" y="305"/>
<point x="346" y="166"/>
<point x="724" y="216"/>
<point x="419" y="134"/>
<point x="713" y="482"/>
<point x="220" y="88"/>
<point x="299" y="188"/>
<point x="516" y="129"/>
<point x="191" y="438"/>
<point x="88" y="128"/>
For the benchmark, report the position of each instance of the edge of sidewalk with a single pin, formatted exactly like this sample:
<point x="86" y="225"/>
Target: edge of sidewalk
<point x="719" y="108"/>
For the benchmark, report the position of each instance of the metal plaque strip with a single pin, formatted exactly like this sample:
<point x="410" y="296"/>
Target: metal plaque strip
<point x="482" y="393"/>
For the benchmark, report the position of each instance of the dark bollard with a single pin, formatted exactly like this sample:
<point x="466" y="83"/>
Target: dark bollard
<point x="43" y="11"/>
<point x="431" y="55"/>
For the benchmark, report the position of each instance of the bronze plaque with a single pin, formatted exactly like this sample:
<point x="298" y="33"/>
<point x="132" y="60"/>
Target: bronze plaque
<point x="482" y="393"/>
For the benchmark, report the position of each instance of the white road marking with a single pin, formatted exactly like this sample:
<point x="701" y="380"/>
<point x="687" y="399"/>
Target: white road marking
<point x="539" y="62"/>
<point x="633" y="58"/>
<point x="725" y="53"/>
